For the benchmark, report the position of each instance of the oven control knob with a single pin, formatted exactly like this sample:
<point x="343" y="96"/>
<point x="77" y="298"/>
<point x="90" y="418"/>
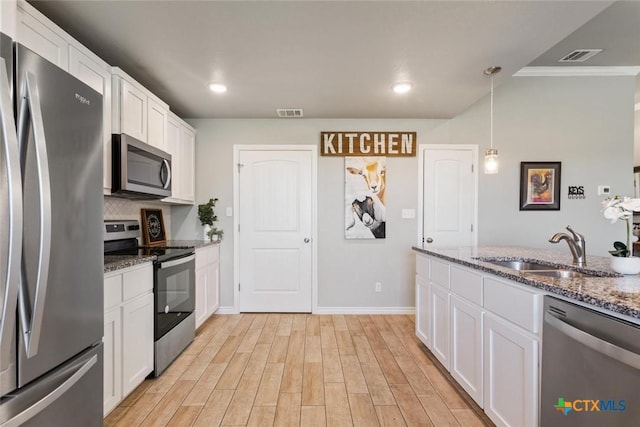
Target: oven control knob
<point x="166" y="309"/>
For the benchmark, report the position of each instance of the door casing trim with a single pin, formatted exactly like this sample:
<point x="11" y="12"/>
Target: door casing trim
<point x="314" y="220"/>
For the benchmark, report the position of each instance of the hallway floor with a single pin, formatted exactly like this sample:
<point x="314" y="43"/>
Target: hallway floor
<point x="301" y="370"/>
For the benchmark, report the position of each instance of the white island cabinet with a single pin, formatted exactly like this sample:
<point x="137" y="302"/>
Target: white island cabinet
<point x="128" y="331"/>
<point x="485" y="331"/>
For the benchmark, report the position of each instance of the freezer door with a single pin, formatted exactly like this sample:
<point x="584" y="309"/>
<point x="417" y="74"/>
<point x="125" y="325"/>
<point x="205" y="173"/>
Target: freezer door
<point x="61" y="298"/>
<point x="71" y="395"/>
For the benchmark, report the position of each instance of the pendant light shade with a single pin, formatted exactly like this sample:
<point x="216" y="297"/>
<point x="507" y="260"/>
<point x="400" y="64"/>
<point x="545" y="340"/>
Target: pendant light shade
<point x="491" y="165"/>
<point x="491" y="161"/>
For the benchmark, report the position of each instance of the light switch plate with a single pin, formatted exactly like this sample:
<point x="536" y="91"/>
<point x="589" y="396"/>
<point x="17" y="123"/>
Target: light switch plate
<point x="229" y="211"/>
<point x="408" y="213"/>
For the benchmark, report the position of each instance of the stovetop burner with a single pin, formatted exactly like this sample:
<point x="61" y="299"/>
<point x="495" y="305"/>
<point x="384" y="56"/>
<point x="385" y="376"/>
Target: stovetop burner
<point x="120" y="238"/>
<point x="161" y="253"/>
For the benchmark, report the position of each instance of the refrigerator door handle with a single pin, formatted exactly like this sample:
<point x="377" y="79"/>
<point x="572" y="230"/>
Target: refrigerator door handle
<point x="14" y="234"/>
<point x="54" y="395"/>
<point x="168" y="180"/>
<point x="31" y="317"/>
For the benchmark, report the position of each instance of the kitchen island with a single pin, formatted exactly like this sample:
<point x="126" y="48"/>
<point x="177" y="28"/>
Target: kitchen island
<point x="606" y="289"/>
<point x="483" y="321"/>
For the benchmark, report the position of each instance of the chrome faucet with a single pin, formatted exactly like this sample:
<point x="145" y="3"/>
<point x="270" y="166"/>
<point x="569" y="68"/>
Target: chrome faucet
<point x="576" y="245"/>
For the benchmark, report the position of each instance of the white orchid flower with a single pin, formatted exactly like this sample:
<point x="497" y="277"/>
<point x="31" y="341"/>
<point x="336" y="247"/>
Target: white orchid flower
<point x="613" y="213"/>
<point x="630" y="205"/>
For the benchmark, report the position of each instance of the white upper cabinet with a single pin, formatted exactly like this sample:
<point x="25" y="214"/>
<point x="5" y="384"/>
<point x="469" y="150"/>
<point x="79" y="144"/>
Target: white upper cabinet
<point x="187" y="161"/>
<point x="8" y="18"/>
<point x="96" y="73"/>
<point x="181" y="146"/>
<point x="157" y="113"/>
<point x="129" y="105"/>
<point x="42" y="36"/>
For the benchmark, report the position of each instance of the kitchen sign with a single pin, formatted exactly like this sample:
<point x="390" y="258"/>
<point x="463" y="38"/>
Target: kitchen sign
<point x="390" y="144"/>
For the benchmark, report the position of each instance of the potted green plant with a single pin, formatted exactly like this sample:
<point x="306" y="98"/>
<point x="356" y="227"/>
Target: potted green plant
<point x="208" y="219"/>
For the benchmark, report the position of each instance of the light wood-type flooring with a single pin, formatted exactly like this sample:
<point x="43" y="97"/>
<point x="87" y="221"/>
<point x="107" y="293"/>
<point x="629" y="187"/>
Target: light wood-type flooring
<point x="301" y="370"/>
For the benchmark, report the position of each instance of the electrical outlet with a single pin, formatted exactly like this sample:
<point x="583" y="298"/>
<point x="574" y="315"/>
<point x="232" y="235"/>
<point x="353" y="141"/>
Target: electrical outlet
<point x="378" y="287"/>
<point x="604" y="190"/>
<point x="408" y="213"/>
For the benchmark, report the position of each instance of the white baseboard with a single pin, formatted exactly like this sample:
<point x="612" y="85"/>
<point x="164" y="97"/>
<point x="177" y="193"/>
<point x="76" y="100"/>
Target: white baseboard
<point x="364" y="310"/>
<point x="225" y="310"/>
<point x="341" y="310"/>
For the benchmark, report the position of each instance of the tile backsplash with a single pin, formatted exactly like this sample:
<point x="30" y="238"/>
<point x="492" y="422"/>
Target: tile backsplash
<point x="117" y="208"/>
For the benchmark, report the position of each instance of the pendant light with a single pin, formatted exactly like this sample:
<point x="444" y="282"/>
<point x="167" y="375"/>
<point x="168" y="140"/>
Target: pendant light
<point x="491" y="154"/>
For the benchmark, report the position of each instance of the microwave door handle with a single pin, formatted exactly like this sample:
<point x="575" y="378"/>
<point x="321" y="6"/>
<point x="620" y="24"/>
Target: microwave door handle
<point x="13" y="238"/>
<point x="31" y="317"/>
<point x="166" y="165"/>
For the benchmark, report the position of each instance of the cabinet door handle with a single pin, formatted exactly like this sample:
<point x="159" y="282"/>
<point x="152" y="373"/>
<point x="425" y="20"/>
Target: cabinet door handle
<point x="429" y="240"/>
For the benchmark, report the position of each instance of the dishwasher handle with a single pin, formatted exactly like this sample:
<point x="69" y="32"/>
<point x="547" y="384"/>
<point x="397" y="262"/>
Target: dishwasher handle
<point x="613" y="351"/>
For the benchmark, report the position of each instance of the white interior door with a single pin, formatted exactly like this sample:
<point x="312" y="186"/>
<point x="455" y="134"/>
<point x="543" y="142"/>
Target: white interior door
<point x="450" y="189"/>
<point x="275" y="230"/>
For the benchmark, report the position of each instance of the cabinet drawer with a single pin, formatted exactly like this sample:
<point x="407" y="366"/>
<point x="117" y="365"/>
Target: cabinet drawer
<point x="205" y="256"/>
<point x="514" y="304"/>
<point x="137" y="282"/>
<point x="440" y="273"/>
<point x="422" y="266"/>
<point x="467" y="284"/>
<point x="112" y="291"/>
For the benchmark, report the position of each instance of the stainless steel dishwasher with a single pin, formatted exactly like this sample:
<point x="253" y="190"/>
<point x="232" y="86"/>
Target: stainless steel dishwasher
<point x="590" y="368"/>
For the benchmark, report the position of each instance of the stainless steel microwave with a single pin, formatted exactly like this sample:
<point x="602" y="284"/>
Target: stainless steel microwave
<point x="139" y="171"/>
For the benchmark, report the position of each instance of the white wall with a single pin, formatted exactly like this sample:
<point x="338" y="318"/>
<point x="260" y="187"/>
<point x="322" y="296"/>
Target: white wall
<point x="587" y="123"/>
<point x="584" y="122"/>
<point x="347" y="270"/>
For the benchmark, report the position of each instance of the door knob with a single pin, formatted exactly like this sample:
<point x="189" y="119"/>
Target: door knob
<point x="429" y="240"/>
<point x="307" y="240"/>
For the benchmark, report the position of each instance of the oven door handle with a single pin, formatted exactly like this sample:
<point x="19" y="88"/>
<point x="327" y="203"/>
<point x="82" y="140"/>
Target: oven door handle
<point x="597" y="344"/>
<point x="178" y="261"/>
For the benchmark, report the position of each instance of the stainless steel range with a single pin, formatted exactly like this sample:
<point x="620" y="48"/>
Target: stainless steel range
<point x="173" y="288"/>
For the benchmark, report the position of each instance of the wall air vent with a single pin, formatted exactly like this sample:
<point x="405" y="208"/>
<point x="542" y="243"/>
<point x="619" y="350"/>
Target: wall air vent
<point x="580" y="55"/>
<point x="289" y="113"/>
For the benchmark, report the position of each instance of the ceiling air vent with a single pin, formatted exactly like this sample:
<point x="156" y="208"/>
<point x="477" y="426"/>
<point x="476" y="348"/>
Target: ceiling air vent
<point x="580" y="55"/>
<point x="290" y="112"/>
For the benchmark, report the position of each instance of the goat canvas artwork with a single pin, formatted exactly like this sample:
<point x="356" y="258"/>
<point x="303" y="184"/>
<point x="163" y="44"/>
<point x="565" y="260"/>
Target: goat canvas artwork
<point x="364" y="195"/>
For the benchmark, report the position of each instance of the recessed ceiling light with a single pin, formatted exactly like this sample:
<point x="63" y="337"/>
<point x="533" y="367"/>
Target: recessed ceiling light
<point x="218" y="88"/>
<point x="403" y="87"/>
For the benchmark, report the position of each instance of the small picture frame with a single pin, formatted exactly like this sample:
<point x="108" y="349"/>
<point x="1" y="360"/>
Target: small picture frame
<point x="153" y="227"/>
<point x="540" y="186"/>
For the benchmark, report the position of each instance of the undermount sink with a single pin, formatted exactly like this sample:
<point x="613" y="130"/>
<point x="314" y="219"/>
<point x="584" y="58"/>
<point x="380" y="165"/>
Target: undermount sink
<point x="521" y="265"/>
<point x="560" y="274"/>
<point x="532" y="267"/>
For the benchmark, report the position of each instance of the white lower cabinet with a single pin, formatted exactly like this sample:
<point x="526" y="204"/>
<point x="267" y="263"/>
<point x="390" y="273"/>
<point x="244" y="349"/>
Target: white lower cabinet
<point x="112" y="359"/>
<point x="511" y="369"/>
<point x="128" y="331"/>
<point x="485" y="331"/>
<point x="137" y="342"/>
<point x="423" y="321"/>
<point x="439" y="308"/>
<point x="466" y="347"/>
<point x="207" y="282"/>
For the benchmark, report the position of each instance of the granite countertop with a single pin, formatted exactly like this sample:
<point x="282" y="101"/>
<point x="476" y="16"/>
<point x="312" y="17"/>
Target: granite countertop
<point x="118" y="262"/>
<point x="614" y="292"/>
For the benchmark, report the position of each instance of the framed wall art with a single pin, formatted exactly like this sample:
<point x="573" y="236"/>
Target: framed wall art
<point x="540" y="186"/>
<point x="153" y="227"/>
<point x="364" y="193"/>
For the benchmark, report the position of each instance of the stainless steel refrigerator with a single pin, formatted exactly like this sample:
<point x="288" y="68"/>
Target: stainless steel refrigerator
<point x="51" y="256"/>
